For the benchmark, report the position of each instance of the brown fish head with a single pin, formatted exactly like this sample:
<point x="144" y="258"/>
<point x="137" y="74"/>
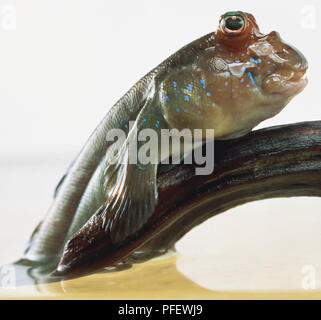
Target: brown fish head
<point x="262" y="73"/>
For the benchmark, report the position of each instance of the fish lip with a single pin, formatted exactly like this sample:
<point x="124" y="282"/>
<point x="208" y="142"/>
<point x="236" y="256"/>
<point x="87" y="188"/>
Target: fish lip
<point x="290" y="87"/>
<point x="294" y="86"/>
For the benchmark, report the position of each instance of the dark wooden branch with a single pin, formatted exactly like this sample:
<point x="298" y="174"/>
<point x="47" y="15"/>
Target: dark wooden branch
<point x="283" y="161"/>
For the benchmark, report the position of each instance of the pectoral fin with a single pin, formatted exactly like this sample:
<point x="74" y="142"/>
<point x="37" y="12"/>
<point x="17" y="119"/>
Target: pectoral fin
<point x="131" y="197"/>
<point x="131" y="201"/>
<point x="131" y="185"/>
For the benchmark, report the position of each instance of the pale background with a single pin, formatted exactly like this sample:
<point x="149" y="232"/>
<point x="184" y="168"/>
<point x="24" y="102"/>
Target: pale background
<point x="63" y="63"/>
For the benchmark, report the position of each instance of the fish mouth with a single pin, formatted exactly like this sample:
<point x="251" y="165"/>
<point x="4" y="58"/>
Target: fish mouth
<point x="293" y="86"/>
<point x="285" y="85"/>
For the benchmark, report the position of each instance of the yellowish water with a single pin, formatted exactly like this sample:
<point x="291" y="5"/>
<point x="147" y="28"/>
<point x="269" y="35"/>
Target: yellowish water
<point x="156" y="279"/>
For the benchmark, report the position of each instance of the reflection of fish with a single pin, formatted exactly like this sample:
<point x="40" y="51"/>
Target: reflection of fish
<point x="230" y="80"/>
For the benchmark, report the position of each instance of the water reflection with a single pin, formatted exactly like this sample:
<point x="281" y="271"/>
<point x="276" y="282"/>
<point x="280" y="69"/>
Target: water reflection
<point x="174" y="277"/>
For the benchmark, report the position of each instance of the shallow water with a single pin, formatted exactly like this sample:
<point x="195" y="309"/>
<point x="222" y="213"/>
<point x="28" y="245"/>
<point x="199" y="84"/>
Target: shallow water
<point x="156" y="279"/>
<point x="266" y="249"/>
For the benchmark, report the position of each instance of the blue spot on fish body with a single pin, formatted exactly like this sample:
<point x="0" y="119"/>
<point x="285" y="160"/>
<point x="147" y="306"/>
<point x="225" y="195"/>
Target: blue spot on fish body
<point x="203" y="83"/>
<point x="177" y="109"/>
<point x="166" y="98"/>
<point x="186" y="98"/>
<point x="174" y="84"/>
<point x="208" y="94"/>
<point x="251" y="77"/>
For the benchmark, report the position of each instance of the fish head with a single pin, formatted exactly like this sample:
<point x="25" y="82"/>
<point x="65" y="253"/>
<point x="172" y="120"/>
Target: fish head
<point x="241" y="79"/>
<point x="263" y="73"/>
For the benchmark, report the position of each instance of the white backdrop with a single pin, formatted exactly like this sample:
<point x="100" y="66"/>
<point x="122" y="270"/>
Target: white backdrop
<point x="64" y="63"/>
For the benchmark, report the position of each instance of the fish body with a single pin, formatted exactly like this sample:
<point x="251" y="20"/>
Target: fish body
<point x="229" y="80"/>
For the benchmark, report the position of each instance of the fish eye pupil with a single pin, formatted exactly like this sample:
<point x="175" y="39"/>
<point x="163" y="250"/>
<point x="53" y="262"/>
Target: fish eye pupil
<point x="234" y="23"/>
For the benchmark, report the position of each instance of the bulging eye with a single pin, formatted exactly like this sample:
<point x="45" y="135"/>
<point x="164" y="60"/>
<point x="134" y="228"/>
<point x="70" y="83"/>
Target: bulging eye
<point x="233" y="24"/>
